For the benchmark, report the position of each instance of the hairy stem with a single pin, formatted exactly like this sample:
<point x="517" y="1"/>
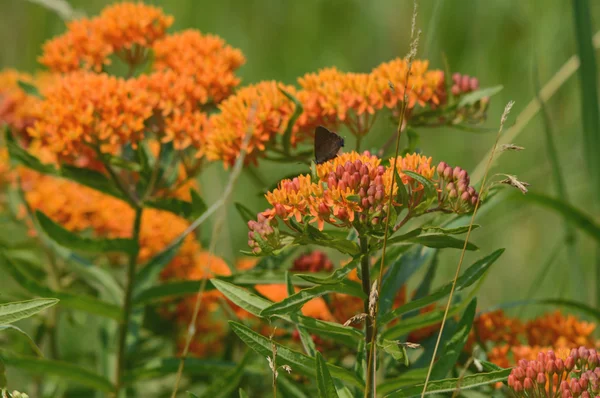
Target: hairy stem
<point x="366" y="285"/>
<point x="124" y="325"/>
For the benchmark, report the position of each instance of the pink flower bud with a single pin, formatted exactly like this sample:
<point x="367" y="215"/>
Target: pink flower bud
<point x="441" y="167"/>
<point x="564" y="386"/>
<point x="379" y="196"/>
<point x="342" y="186"/>
<point x="358" y="164"/>
<point x="541" y="378"/>
<point x="332" y="182"/>
<point x="355" y="180"/>
<point x="362" y="193"/>
<point x="456" y="171"/>
<point x="560" y="365"/>
<point x="472" y="192"/>
<point x="448" y="173"/>
<point x="342" y="214"/>
<point x="450" y="186"/>
<point x="474" y="199"/>
<point x="550" y="367"/>
<point x="364" y="170"/>
<point x="380" y="170"/>
<point x="465" y="197"/>
<point x="339" y="171"/>
<point x="574" y="353"/>
<point x="593" y="360"/>
<point x="364" y="181"/>
<point x="550" y="354"/>
<point x="583" y="352"/>
<point x="453" y="194"/>
<point x="511" y="380"/>
<point x="375" y="221"/>
<point x="455" y="90"/>
<point x="351" y="169"/>
<point x="464" y="83"/>
<point x="528" y="384"/>
<point x="371" y="191"/>
<point x="569" y="363"/>
<point x="518" y="387"/>
<point x="323" y="208"/>
<point x="575" y="387"/>
<point x="364" y="202"/>
<point x="530" y="373"/>
<point x="585" y="394"/>
<point x="473" y="84"/>
<point x="378" y="180"/>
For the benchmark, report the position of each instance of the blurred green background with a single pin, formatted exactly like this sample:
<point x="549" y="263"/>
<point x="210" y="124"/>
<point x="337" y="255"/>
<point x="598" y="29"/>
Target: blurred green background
<point x="495" y="40"/>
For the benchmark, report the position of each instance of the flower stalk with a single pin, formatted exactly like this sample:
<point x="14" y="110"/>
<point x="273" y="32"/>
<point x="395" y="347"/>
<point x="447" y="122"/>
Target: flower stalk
<point x="124" y="325"/>
<point x="366" y="286"/>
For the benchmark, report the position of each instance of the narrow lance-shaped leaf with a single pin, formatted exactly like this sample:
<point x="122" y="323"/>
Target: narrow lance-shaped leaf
<point x="470" y="276"/>
<point x="227" y="383"/>
<point x="473" y="97"/>
<point x="455" y="345"/>
<point x="245" y="213"/>
<point x="451" y="385"/>
<point x="32" y="344"/>
<point x="305" y="338"/>
<point x="298" y="362"/>
<point x="337" y="276"/>
<point x="74" y="241"/>
<point x="296" y="301"/>
<point x="12" y="312"/>
<point x="68" y="372"/>
<point x="325" y="384"/>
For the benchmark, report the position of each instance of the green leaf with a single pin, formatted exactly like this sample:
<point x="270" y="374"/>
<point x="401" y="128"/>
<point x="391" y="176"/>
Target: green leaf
<point x="450" y="231"/>
<point x="168" y="290"/>
<point x="451" y="385"/>
<point x="68" y="372"/>
<point x="176" y="206"/>
<point x="441" y="241"/>
<point x="470" y="276"/>
<point x="12" y="312"/>
<point x="336" y="277"/>
<point x="198" y="204"/>
<point x="395" y="349"/>
<point x="160" y="367"/>
<point x="313" y="236"/>
<point x="588" y="75"/>
<point x="455" y="344"/>
<point x="571" y="214"/>
<point x="32" y="344"/>
<point x="404" y="237"/>
<point x="475" y="96"/>
<point x="68" y="300"/>
<point x="225" y="385"/>
<point x="121" y="163"/>
<point x="242" y="393"/>
<point x="287" y="135"/>
<point x="255" y="304"/>
<point x="20" y="156"/>
<point x="305" y="338"/>
<point x="298" y="362"/>
<point x="398" y="273"/>
<point x="245" y="213"/>
<point x="417" y="322"/>
<point x="325" y="384"/>
<point x="92" y="179"/>
<point x="296" y="301"/>
<point x="74" y="241"/>
<point x="430" y="190"/>
<point x="29" y="89"/>
<point x="149" y="273"/>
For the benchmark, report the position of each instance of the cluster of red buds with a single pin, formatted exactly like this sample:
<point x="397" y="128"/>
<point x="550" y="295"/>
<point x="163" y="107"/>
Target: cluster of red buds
<point x="316" y="261"/>
<point x="455" y="194"/>
<point x="263" y="235"/>
<point x="548" y="376"/>
<point x="367" y="183"/>
<point x="463" y="84"/>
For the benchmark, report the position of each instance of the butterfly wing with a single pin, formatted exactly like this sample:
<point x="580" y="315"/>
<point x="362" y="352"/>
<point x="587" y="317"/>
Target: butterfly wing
<point x="327" y="144"/>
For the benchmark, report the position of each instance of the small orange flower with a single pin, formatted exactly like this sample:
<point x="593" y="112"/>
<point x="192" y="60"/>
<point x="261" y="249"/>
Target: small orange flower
<point x="549" y="328"/>
<point x="16" y="104"/>
<point x="238" y="117"/>
<point x="205" y="58"/>
<point x="83" y="109"/>
<point x="423" y="87"/>
<point x="331" y="98"/>
<point x="416" y="163"/>
<point x="88" y="43"/>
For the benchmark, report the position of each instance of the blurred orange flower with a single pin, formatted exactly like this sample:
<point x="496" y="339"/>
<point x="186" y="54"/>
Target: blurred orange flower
<point x="88" y="43"/>
<point x="238" y="117"/>
<point x="331" y="98"/>
<point x="424" y="85"/>
<point x="16" y="104"/>
<point x="205" y="58"/>
<point x="84" y="109"/>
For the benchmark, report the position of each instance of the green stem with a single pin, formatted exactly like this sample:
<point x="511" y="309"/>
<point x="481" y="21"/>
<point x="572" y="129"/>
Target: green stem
<point x="366" y="286"/>
<point x="124" y="325"/>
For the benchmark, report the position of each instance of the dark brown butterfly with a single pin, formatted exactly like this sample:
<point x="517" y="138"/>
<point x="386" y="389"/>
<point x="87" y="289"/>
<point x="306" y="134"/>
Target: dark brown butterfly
<point x="327" y="145"/>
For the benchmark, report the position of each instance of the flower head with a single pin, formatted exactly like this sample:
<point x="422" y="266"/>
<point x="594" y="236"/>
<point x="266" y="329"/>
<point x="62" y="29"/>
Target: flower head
<point x="424" y="85"/>
<point x="88" y="43"/>
<point x="331" y="98"/>
<point x="205" y="58"/>
<point x="84" y="110"/>
<point x="261" y="110"/>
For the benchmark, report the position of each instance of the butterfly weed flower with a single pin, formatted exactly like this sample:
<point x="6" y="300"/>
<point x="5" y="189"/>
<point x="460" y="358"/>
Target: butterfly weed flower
<point x="205" y="58"/>
<point x="125" y="29"/>
<point x="228" y="128"/>
<point x="455" y="194"/>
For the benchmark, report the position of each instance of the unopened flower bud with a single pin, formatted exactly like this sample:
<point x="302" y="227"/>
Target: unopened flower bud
<point x="441" y="167"/>
<point x="339" y="171"/>
<point x="448" y="173"/>
<point x="528" y="384"/>
<point x="541" y="378"/>
<point x="473" y="84"/>
<point x="465" y="197"/>
<point x="569" y="363"/>
<point x="453" y="194"/>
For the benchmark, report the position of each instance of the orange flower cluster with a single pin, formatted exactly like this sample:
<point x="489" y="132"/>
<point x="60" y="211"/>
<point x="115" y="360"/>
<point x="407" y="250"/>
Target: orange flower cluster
<point x="84" y="110"/>
<point x="425" y="86"/>
<point x="261" y="110"/>
<point x="508" y="340"/>
<point x="88" y="43"/>
<point x="351" y="188"/>
<point x="15" y="104"/>
<point x="204" y="58"/>
<point x="78" y="208"/>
